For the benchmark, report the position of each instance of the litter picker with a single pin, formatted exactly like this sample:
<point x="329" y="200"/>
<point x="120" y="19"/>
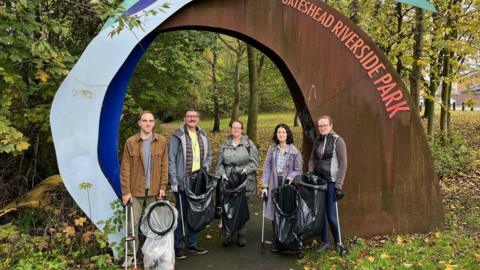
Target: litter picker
<point x="130" y="237"/>
<point x="264" y="202"/>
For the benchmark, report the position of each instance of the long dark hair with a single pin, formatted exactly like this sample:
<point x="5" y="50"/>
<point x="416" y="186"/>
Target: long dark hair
<point x="289" y="134"/>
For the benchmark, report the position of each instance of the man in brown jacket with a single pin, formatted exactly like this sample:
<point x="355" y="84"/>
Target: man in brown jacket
<point x="144" y="169"/>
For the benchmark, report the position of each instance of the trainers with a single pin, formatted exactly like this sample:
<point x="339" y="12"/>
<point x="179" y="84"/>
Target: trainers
<point x="227" y="241"/>
<point x="128" y="262"/>
<point x="322" y="248"/>
<point x="275" y="249"/>
<point x="197" y="250"/>
<point x="242" y="240"/>
<point x="180" y="254"/>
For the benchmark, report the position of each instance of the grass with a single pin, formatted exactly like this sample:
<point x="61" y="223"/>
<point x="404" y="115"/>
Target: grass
<point x="265" y="128"/>
<point x="457" y="247"/>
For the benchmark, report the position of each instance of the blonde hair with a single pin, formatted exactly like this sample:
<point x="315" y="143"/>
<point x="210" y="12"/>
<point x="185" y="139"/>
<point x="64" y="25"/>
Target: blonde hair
<point x="325" y="117"/>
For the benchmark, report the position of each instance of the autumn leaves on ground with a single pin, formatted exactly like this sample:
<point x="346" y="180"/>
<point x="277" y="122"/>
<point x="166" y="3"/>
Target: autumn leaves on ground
<point x="457" y="246"/>
<point x="58" y="236"/>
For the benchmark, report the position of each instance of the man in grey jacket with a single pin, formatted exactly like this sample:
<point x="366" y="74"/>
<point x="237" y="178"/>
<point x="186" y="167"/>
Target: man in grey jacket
<point x="188" y="151"/>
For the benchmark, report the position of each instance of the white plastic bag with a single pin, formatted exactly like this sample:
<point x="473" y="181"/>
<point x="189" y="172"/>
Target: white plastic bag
<point x="158" y="253"/>
<point x="158" y="250"/>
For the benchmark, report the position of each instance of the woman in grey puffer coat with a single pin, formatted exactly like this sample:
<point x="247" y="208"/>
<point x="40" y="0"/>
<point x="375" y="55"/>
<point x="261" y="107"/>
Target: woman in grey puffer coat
<point x="282" y="163"/>
<point x="239" y="153"/>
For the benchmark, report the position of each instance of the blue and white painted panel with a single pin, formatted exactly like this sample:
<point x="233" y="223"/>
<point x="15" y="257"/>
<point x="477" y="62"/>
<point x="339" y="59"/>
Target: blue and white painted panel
<point x="87" y="107"/>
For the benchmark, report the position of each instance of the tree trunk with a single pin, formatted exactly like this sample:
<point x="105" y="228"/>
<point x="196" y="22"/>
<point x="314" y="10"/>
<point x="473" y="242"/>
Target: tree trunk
<point x="445" y="101"/>
<point x="236" y="83"/>
<point x="430" y="103"/>
<point x="425" y="111"/>
<point x="216" y="109"/>
<point x="449" y="94"/>
<point x="253" y="102"/>
<point x="296" y="119"/>
<point x="430" y="110"/>
<point x="398" y="8"/>
<point x="415" y="75"/>
<point x="435" y="66"/>
<point x="445" y="79"/>
<point x="355" y="8"/>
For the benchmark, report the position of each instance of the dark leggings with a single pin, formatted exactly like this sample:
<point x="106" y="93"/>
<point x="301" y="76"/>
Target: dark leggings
<point x="331" y="216"/>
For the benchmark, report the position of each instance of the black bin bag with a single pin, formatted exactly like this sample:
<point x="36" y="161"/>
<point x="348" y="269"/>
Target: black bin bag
<point x="311" y="190"/>
<point x="234" y="204"/>
<point x="287" y="230"/>
<point x="199" y="191"/>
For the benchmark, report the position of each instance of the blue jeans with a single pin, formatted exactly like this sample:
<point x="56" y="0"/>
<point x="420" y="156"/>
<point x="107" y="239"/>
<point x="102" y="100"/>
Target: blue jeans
<point x="178" y="234"/>
<point x="331" y="215"/>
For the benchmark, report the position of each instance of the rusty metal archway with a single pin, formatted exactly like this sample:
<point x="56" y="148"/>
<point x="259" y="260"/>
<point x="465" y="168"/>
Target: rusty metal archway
<point x="333" y="68"/>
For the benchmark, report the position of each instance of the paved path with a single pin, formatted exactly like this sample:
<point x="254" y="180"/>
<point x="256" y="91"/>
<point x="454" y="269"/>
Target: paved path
<point x="235" y="257"/>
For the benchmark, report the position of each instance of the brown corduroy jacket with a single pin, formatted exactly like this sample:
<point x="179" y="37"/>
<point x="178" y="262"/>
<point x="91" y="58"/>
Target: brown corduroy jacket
<point x="132" y="173"/>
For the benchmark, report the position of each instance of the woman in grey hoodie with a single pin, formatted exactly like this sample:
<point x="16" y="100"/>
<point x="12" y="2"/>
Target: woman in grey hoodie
<point x="282" y="163"/>
<point x="240" y="154"/>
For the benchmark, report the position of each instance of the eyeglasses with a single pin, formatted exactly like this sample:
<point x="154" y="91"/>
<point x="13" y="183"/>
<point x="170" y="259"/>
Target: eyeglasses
<point x="191" y="116"/>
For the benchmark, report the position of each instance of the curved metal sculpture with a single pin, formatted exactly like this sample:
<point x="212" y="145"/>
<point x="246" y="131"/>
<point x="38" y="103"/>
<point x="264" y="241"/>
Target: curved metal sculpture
<point x="330" y="66"/>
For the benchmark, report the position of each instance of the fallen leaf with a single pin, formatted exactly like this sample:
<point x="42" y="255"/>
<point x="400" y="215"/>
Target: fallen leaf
<point x="69" y="231"/>
<point x="371" y="259"/>
<point x="208" y="236"/>
<point x="87" y="236"/>
<point x="399" y="239"/>
<point x="438" y="234"/>
<point x="449" y="266"/>
<point x="80" y="221"/>
<point x="384" y="256"/>
<point x="362" y="254"/>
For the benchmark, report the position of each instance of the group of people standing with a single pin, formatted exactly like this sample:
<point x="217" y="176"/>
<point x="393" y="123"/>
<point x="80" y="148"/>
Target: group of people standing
<point x="149" y="164"/>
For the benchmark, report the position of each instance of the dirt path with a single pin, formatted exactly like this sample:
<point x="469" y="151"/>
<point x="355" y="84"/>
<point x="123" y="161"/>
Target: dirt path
<point x="235" y="257"/>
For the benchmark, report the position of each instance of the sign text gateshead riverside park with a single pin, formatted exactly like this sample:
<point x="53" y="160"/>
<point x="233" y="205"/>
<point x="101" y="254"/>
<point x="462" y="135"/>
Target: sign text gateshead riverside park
<point x="389" y="91"/>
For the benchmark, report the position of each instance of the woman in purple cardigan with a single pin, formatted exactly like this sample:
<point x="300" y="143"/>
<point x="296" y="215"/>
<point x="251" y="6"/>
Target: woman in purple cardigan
<point x="282" y="163"/>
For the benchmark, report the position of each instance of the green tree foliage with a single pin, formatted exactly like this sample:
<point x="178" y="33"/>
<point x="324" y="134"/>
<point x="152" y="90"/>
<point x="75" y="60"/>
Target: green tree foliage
<point x="449" y="43"/>
<point x="177" y="70"/>
<point x="171" y="75"/>
<point x="39" y="42"/>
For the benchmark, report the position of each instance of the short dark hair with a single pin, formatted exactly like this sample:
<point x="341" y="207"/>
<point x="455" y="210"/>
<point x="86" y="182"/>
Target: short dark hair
<point x="192" y="110"/>
<point x="289" y="134"/>
<point x="236" y="121"/>
<point x="143" y="113"/>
